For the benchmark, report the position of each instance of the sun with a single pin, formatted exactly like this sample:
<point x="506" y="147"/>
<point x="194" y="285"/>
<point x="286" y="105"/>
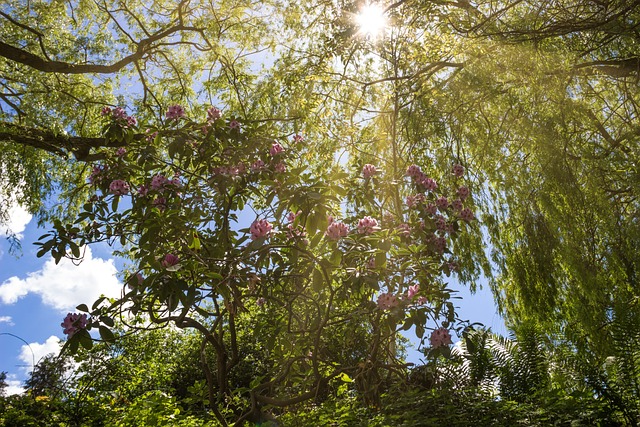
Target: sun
<point x="371" y="20"/>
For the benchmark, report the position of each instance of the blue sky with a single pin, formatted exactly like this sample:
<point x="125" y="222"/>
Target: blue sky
<point x="35" y="295"/>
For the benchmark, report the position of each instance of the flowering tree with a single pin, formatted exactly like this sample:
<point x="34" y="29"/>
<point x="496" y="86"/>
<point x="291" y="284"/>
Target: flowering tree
<point x="227" y="227"/>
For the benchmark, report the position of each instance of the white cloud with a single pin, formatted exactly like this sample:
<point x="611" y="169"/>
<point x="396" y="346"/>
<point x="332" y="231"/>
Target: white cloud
<point x="7" y="320"/>
<point x="36" y="351"/>
<point x="13" y="387"/>
<point x="17" y="220"/>
<point x="65" y="285"/>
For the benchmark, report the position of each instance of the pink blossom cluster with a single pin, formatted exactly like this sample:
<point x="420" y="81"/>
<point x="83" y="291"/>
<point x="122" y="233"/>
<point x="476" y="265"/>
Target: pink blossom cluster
<point x="297" y="233"/>
<point x="260" y="228"/>
<point x="368" y="171"/>
<point x="387" y="301"/>
<point x="280" y="167"/>
<point x="337" y="230"/>
<point x="234" y="124"/>
<point x="119" y="115"/>
<point x="463" y="192"/>
<point x="213" y="114"/>
<point x="440" y="337"/>
<point x="276" y="149"/>
<point x="414" y="200"/>
<point x="441" y="222"/>
<point x="457" y="170"/>
<point x="367" y="225"/>
<point x="161" y="182"/>
<point x="96" y="175"/>
<point x="467" y="215"/>
<point x="175" y="112"/>
<point x="119" y="187"/>
<point x="160" y="203"/>
<point x="413" y="291"/>
<point x="291" y="216"/>
<point x="442" y="203"/>
<point x="419" y="177"/>
<point x="120" y="152"/>
<point x="404" y="229"/>
<point x="297" y="138"/>
<point x="170" y="260"/>
<point x="74" y="322"/>
<point x="440" y="244"/>
<point x="257" y="166"/>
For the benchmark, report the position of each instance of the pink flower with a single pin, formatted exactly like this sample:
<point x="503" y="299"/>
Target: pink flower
<point x="440" y="337"/>
<point x="234" y="124"/>
<point x="257" y="166"/>
<point x="213" y="114"/>
<point x="151" y="136"/>
<point x="292" y="216"/>
<point x="297" y="138"/>
<point x="296" y="233"/>
<point x="431" y="209"/>
<point x="119" y="113"/>
<point x="457" y="170"/>
<point x="457" y="205"/>
<point x="463" y="192"/>
<point x="175" y="112"/>
<point x="280" y="167"/>
<point x="160" y="203"/>
<point x="105" y="111"/>
<point x="442" y="203"/>
<point x="337" y="230"/>
<point x="367" y="225"/>
<point x="414" y="171"/>
<point x="413" y="290"/>
<point x="143" y="190"/>
<point x="276" y="149"/>
<point x="131" y="121"/>
<point x="404" y="229"/>
<point x="387" y="301"/>
<point x="74" y="322"/>
<point x="441" y="222"/>
<point x="440" y="244"/>
<point x="260" y="228"/>
<point x="411" y="202"/>
<point x="368" y="171"/>
<point x="96" y="174"/>
<point x="467" y="215"/>
<point x="170" y="261"/>
<point x="119" y="187"/>
<point x="429" y="184"/>
<point x="121" y="151"/>
<point x="158" y="182"/>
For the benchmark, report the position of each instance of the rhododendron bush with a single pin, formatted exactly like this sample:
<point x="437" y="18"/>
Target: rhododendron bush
<point x="227" y="225"/>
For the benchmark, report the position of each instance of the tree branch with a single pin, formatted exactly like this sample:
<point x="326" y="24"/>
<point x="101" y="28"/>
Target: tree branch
<point x="34" y="61"/>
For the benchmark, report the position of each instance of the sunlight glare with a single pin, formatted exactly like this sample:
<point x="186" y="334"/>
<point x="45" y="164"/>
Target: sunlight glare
<point x="371" y="20"/>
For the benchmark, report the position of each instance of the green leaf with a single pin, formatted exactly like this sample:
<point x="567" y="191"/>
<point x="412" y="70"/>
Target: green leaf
<point x="107" y="321"/>
<point x="83" y="307"/>
<point x="106" y="334"/>
<point x="84" y="338"/>
<point x="318" y="280"/>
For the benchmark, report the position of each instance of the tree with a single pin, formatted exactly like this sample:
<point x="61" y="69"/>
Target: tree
<point x="537" y="100"/>
<point x="3" y="383"/>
